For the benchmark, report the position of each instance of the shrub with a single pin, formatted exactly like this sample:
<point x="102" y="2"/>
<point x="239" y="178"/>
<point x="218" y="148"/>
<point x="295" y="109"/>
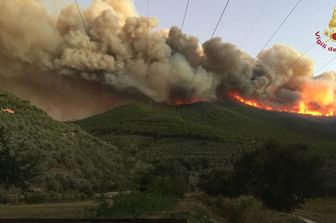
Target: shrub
<point x="216" y="182"/>
<point x="170" y="178"/>
<point x="237" y="210"/>
<point x="4" y="198"/>
<point x="246" y="209"/>
<point x="135" y="204"/>
<point x="282" y="176"/>
<point x="36" y="197"/>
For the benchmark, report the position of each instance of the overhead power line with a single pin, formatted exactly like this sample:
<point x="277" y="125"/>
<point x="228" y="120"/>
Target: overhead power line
<point x="255" y="22"/>
<point x="209" y="42"/>
<point x="280" y="25"/>
<point x="303" y="54"/>
<point x="82" y="19"/>
<point x="147" y="37"/>
<point x="147" y="8"/>
<point x="179" y="40"/>
<point x="147" y="12"/>
<point x="85" y="28"/>
<point x="326" y="64"/>
<point x="299" y="57"/>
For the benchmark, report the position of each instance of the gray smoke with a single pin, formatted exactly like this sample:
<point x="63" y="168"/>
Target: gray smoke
<point x="53" y="62"/>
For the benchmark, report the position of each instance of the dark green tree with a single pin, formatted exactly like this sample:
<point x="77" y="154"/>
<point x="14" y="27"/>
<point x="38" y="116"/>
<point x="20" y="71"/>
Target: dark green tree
<point x="216" y="182"/>
<point x="282" y="176"/>
<point x="167" y="177"/>
<point x="17" y="168"/>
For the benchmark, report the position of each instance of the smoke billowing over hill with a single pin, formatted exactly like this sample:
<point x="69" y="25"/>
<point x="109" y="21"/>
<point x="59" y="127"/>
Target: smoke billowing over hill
<point x="53" y="62"/>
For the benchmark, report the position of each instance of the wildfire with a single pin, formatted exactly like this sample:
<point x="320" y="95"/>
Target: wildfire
<point x="302" y="107"/>
<point x="8" y="110"/>
<point x="315" y="100"/>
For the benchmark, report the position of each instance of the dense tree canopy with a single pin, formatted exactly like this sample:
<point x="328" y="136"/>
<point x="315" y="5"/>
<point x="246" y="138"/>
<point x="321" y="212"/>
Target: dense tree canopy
<point x="17" y="167"/>
<point x="66" y="157"/>
<point x="282" y="176"/>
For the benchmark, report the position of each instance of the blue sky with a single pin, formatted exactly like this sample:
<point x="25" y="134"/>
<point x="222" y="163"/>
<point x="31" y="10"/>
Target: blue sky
<point x="298" y="31"/>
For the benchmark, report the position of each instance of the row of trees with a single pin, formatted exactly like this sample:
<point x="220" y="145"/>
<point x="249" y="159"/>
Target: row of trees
<point x="159" y="189"/>
<point x="282" y="176"/>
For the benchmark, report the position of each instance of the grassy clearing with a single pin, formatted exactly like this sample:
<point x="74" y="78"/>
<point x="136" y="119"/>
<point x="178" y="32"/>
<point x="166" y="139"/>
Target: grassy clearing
<point x="321" y="210"/>
<point x="51" y="210"/>
<point x="195" y="207"/>
<point x="200" y="208"/>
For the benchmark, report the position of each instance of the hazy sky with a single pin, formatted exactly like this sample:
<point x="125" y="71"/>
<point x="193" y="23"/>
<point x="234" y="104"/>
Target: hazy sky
<point x="298" y="31"/>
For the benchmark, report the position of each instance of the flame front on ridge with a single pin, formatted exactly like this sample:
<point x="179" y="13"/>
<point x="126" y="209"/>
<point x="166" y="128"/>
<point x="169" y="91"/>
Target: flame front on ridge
<point x="301" y="107"/>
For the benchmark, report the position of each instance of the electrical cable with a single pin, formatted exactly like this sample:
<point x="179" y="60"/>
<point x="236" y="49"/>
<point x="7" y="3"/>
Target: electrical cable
<point x="281" y="24"/>
<point x="212" y="36"/>
<point x="255" y="22"/>
<point x="179" y="40"/>
<point x="326" y="64"/>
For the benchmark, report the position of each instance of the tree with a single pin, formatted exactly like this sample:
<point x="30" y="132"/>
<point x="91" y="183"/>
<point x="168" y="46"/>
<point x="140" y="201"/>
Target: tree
<point x="282" y="176"/>
<point x="17" y="168"/>
<point x="216" y="182"/>
<point x="169" y="178"/>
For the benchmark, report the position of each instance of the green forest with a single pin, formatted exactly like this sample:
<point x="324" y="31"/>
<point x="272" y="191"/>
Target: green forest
<point x="203" y="162"/>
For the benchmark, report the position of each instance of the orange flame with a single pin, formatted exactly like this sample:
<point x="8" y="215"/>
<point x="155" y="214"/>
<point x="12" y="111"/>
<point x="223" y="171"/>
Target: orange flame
<point x="303" y="106"/>
<point x="8" y="110"/>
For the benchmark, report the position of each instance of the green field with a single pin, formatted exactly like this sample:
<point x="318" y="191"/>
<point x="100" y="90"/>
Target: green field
<point x="321" y="210"/>
<point x="47" y="210"/>
<point x="196" y="208"/>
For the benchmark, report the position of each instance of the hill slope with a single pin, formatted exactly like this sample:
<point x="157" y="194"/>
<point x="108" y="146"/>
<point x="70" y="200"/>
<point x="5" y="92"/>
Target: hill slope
<point x="72" y="158"/>
<point x="211" y="134"/>
<point x="216" y="129"/>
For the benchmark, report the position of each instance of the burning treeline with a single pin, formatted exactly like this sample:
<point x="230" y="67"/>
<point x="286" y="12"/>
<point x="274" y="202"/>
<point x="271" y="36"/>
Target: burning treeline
<point x="59" y="66"/>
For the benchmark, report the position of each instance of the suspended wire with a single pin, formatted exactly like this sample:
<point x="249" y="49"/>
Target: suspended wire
<point x="281" y="24"/>
<point x="147" y="12"/>
<point x="85" y="28"/>
<point x="300" y="57"/>
<point x="179" y="39"/>
<point x="81" y="16"/>
<point x="326" y="64"/>
<point x="147" y="8"/>
<point x="147" y="40"/>
<point x="214" y="32"/>
<point x="255" y="22"/>
<point x="212" y="36"/>
<point x="303" y="54"/>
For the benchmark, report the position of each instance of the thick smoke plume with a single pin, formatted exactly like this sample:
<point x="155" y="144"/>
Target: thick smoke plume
<point x="72" y="73"/>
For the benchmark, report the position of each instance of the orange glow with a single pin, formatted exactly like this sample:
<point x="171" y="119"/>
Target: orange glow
<point x="187" y="101"/>
<point x="8" y="110"/>
<point x="315" y="104"/>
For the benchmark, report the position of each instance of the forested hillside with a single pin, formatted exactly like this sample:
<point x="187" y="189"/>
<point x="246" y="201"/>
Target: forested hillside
<point x="63" y="156"/>
<point x="215" y="133"/>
